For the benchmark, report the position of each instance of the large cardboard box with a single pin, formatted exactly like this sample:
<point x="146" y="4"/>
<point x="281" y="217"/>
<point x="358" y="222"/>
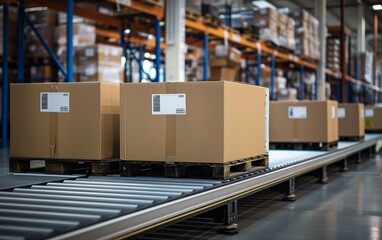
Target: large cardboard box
<point x="350" y="120"/>
<point x="64" y="121"/>
<point x="222" y="73"/>
<point x="202" y="122"/>
<point x="303" y="122"/>
<point x="373" y="118"/>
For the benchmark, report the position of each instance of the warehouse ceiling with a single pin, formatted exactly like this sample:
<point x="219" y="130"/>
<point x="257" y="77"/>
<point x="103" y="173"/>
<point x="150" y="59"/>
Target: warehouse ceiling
<point x="333" y="13"/>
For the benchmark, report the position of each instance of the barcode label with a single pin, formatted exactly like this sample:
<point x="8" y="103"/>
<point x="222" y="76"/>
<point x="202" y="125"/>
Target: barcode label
<point x="54" y="102"/>
<point x="369" y="112"/>
<point x="299" y="112"/>
<point x="333" y="112"/>
<point x="341" y="113"/>
<point x="169" y="104"/>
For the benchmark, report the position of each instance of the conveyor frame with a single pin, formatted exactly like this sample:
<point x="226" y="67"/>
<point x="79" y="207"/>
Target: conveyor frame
<point x="147" y="219"/>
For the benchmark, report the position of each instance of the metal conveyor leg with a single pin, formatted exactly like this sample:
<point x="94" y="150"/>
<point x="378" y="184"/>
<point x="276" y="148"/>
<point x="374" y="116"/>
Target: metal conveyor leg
<point x="345" y="165"/>
<point x="289" y="191"/>
<point x="227" y="214"/>
<point x="323" y="178"/>
<point x="359" y="157"/>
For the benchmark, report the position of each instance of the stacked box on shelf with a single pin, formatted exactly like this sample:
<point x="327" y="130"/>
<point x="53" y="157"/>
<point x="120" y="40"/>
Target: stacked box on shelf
<point x="306" y="33"/>
<point x="83" y="35"/>
<point x="286" y="27"/>
<point x="362" y="66"/>
<point x="40" y="66"/>
<point x="224" y="63"/>
<point x="100" y="63"/>
<point x="194" y="6"/>
<point x="333" y="53"/>
<point x="267" y="20"/>
<point x="12" y="35"/>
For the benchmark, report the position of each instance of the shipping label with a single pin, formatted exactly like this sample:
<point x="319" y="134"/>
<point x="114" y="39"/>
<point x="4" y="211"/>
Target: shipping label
<point x="341" y="113"/>
<point x="369" y="112"/>
<point x="297" y="112"/>
<point x="169" y="104"/>
<point x="54" y="102"/>
<point x="333" y="112"/>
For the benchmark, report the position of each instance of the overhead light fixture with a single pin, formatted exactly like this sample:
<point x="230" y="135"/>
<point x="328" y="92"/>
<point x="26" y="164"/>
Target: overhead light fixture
<point x="377" y="7"/>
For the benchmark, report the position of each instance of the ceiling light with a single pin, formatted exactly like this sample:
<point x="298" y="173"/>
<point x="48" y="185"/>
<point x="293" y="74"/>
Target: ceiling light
<point x="377" y="7"/>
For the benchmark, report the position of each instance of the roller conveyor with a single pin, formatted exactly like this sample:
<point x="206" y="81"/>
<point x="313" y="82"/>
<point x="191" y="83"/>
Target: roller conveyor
<point x="80" y="207"/>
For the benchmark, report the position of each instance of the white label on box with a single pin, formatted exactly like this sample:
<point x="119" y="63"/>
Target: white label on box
<point x="299" y="112"/>
<point x="341" y="112"/>
<point x="54" y="102"/>
<point x="333" y="112"/>
<point x="169" y="104"/>
<point x="369" y="112"/>
<point x="89" y="52"/>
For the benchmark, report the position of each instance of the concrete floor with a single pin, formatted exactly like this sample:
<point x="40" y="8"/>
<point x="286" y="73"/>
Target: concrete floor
<point x="348" y="207"/>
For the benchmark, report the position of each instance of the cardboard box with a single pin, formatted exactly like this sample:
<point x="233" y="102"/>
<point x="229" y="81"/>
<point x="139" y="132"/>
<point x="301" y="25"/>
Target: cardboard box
<point x="84" y="124"/>
<point x="231" y="55"/>
<point x="303" y="122"/>
<point x="217" y="122"/>
<point x="100" y="72"/>
<point x="99" y="53"/>
<point x="373" y="118"/>
<point x="286" y="94"/>
<point x="267" y="13"/>
<point x="350" y="120"/>
<point x="83" y="34"/>
<point x="222" y="73"/>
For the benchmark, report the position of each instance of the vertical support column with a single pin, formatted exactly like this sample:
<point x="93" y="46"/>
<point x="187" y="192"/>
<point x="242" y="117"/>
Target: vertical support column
<point x="258" y="79"/>
<point x="349" y="55"/>
<point x="301" y="93"/>
<point x="141" y="62"/>
<point x="343" y="50"/>
<point x="157" y="48"/>
<point x="123" y="46"/>
<point x="246" y="70"/>
<point x="205" y="57"/>
<point x="321" y="70"/>
<point x="375" y="25"/>
<point x="5" y="82"/>
<point x="175" y="41"/>
<point x="20" y="41"/>
<point x="273" y="73"/>
<point x="361" y="29"/>
<point x="339" y="89"/>
<point x="316" y="87"/>
<point x="69" y="41"/>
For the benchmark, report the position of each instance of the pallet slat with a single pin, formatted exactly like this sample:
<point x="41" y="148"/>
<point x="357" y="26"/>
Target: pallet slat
<point x="66" y="166"/>
<point x="177" y="170"/>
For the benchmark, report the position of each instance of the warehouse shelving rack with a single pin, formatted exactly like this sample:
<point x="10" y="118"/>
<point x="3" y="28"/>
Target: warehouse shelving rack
<point x="256" y="49"/>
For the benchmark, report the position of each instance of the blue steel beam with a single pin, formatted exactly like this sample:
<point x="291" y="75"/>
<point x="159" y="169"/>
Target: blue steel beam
<point x="45" y="45"/>
<point x="273" y="72"/>
<point x="140" y="59"/>
<point x="69" y="41"/>
<point x="301" y="93"/>
<point x="258" y="79"/>
<point x="157" y="50"/>
<point x="20" y="41"/>
<point x="205" y="57"/>
<point x="5" y="82"/>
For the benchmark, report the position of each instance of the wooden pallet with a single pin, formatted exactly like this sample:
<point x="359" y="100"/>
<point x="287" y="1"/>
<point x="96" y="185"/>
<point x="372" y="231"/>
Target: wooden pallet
<point x="178" y="170"/>
<point x="353" y="138"/>
<point x="271" y="44"/>
<point x="309" y="59"/>
<point x="284" y="50"/>
<point x="66" y="166"/>
<point x="211" y="21"/>
<point x="192" y="15"/>
<point x="304" y="146"/>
